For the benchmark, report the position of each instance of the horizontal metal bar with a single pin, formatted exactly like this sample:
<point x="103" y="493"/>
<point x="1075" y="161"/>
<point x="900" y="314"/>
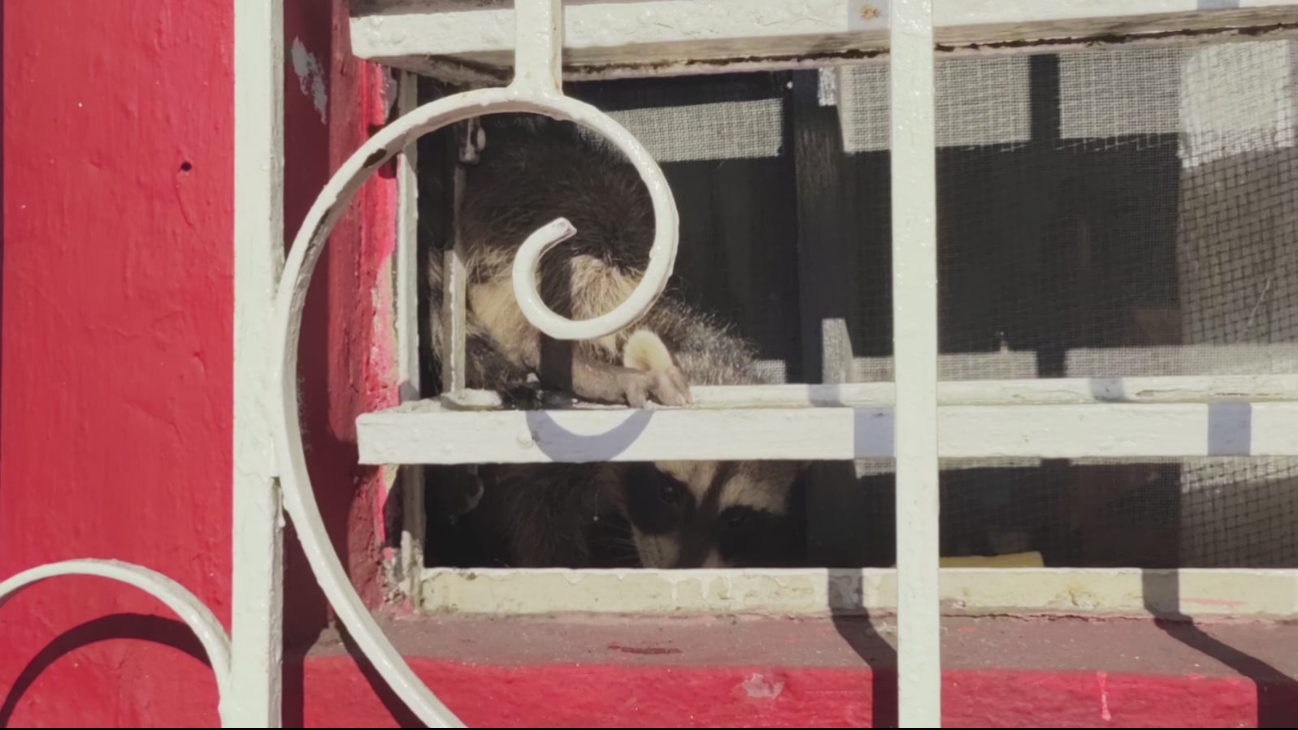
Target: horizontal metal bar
<point x="424" y="433"/>
<point x="1156" y="361"/>
<point x="1044" y="391"/>
<point x="1061" y="391"/>
<point x="460" y="40"/>
<point x="963" y="591"/>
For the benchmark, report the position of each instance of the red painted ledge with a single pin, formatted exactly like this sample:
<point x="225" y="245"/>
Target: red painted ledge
<point x="695" y="672"/>
<point x="131" y="670"/>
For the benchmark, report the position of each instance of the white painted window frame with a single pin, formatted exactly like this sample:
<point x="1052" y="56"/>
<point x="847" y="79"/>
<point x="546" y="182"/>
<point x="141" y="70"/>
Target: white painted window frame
<point x="916" y="419"/>
<point x="1164" y="416"/>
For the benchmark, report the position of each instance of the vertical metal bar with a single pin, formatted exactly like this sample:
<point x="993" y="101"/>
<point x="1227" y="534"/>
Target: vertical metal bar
<point x="538" y="44"/>
<point x="257" y="600"/>
<point x="407" y="315"/>
<point x="407" y="253"/>
<point x="454" y="299"/>
<point x="914" y="311"/>
<point x="537" y="58"/>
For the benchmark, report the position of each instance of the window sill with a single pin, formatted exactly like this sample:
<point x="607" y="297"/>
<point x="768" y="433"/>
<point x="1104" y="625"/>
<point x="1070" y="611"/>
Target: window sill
<point x="1195" y="593"/>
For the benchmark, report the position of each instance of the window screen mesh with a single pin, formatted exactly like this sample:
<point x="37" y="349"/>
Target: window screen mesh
<point x="1104" y="213"/>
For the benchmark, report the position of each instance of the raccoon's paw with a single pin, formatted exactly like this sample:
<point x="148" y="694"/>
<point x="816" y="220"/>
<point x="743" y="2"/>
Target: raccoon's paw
<point x="654" y="372"/>
<point x="668" y="387"/>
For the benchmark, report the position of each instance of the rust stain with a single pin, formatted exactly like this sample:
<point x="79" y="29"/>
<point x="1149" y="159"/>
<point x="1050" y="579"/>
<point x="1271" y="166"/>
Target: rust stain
<point x="644" y="650"/>
<point x="861" y="54"/>
<point x="1121" y="38"/>
<point x="808" y="59"/>
<point x="577" y="71"/>
<point x="466" y="66"/>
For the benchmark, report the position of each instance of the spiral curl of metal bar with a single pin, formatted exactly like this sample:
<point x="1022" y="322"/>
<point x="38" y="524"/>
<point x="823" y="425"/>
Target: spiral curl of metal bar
<point x="527" y="265"/>
<point x="184" y="604"/>
<point x="299" y="498"/>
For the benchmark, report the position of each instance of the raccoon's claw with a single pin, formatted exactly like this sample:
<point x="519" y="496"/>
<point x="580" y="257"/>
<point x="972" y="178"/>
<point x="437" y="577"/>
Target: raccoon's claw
<point x="647" y="355"/>
<point x="669" y="388"/>
<point x="636" y="386"/>
<point x="675" y="390"/>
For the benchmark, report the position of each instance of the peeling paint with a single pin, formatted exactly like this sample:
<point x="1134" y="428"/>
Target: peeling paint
<point x="1102" y="678"/>
<point x="310" y="78"/>
<point x="760" y="687"/>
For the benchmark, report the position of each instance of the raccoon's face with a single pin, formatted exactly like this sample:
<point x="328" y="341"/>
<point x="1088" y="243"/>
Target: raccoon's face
<point x="713" y="514"/>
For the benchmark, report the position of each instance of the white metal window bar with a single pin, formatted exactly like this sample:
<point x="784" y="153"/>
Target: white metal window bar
<point x="1244" y="415"/>
<point x="257" y="530"/>
<point x="914" y="317"/>
<point x="471" y="41"/>
<point x="406" y="268"/>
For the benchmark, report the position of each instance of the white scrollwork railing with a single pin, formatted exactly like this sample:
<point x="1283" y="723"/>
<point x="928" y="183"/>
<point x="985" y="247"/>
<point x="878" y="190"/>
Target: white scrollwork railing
<point x="536" y="89"/>
<point x="183" y="603"/>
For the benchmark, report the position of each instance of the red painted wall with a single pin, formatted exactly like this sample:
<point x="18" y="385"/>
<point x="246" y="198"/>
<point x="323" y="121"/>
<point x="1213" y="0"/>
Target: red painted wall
<point x="790" y="697"/>
<point x="115" y="414"/>
<point x="115" y="358"/>
<point x="346" y="352"/>
<point x="115" y="353"/>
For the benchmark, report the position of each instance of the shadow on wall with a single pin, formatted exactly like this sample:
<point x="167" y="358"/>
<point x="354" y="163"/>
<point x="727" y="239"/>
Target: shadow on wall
<point x="852" y="622"/>
<point x="332" y="103"/>
<point x="139" y="627"/>
<point x="1277" y="693"/>
<point x="2" y="208"/>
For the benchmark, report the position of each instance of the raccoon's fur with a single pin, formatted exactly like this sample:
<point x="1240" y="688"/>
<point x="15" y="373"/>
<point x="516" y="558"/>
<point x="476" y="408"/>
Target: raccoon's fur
<point x="684" y="514"/>
<point x="532" y="171"/>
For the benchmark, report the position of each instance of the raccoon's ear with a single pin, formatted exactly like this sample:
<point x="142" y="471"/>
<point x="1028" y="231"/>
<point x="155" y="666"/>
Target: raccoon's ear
<point x="646" y="351"/>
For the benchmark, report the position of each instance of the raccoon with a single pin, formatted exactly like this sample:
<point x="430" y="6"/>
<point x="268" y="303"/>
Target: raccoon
<point x="663" y="515"/>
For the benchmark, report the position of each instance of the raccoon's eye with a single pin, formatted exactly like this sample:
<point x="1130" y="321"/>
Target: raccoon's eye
<point x="655" y="503"/>
<point x="669" y="493"/>
<point x="738" y="521"/>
